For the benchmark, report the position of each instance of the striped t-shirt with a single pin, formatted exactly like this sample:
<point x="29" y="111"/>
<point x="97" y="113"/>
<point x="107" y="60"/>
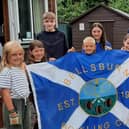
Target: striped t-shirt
<point x="15" y="79"/>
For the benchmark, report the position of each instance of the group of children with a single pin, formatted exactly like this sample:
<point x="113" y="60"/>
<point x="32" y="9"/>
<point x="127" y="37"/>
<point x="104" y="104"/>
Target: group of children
<point x="50" y="46"/>
<point x="97" y="41"/>
<point x="14" y="84"/>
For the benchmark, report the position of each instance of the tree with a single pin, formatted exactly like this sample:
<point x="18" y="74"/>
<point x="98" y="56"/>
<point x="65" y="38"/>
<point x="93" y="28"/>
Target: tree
<point x="70" y="9"/>
<point x="121" y="5"/>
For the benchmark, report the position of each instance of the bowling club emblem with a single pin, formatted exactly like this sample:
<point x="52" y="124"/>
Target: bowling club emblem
<point x="97" y="97"/>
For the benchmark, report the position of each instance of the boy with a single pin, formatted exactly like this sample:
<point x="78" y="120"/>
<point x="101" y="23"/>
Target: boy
<point x="54" y="40"/>
<point x="89" y="45"/>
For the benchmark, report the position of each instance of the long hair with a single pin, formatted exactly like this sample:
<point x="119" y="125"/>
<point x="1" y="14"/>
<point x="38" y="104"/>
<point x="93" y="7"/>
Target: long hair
<point x="7" y="49"/>
<point x="103" y="36"/>
<point x="33" y="44"/>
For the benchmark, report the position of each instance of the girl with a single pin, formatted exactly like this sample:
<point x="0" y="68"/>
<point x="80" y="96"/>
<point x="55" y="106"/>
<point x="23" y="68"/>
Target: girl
<point x="36" y="52"/>
<point x="53" y="39"/>
<point x="98" y="33"/>
<point x="126" y="43"/>
<point x="15" y="88"/>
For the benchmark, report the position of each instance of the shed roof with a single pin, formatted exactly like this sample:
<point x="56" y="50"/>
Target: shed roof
<point x="119" y="12"/>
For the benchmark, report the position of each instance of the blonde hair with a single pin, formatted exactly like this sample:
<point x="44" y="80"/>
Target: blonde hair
<point x="89" y="38"/>
<point x="49" y="15"/>
<point x="9" y="47"/>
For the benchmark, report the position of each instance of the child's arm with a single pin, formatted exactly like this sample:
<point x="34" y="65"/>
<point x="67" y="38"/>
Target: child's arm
<point x="7" y="99"/>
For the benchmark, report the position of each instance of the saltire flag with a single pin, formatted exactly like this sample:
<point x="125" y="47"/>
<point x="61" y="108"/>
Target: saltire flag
<point x="80" y="91"/>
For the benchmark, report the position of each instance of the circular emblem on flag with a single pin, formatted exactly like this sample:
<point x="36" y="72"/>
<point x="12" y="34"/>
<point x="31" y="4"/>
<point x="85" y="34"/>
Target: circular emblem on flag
<point x="97" y="97"/>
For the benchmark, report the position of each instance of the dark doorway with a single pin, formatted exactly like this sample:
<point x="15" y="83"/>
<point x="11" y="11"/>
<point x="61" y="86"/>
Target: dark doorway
<point x="1" y="23"/>
<point x="108" y="27"/>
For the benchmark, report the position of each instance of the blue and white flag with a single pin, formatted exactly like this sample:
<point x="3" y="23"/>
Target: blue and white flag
<point x="80" y="91"/>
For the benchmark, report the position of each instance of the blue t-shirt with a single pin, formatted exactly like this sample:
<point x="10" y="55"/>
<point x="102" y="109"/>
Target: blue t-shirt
<point x="108" y="46"/>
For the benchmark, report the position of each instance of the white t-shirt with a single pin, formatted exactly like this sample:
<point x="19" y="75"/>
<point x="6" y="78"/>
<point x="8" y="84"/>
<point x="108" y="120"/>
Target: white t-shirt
<point x="15" y="79"/>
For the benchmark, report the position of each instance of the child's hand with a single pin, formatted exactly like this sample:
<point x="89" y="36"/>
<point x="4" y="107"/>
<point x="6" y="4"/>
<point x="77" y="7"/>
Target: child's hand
<point x="72" y="49"/>
<point x="125" y="49"/>
<point x="14" y="118"/>
<point x="52" y="59"/>
<point x="108" y="48"/>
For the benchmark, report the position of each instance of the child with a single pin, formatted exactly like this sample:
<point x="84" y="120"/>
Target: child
<point x="98" y="33"/>
<point x="126" y="42"/>
<point x="15" y="88"/>
<point x="36" y="52"/>
<point x="53" y="39"/>
<point x="89" y="45"/>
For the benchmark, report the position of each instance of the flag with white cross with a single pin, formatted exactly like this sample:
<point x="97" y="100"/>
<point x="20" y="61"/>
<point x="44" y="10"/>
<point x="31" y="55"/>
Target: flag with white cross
<point x="80" y="91"/>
